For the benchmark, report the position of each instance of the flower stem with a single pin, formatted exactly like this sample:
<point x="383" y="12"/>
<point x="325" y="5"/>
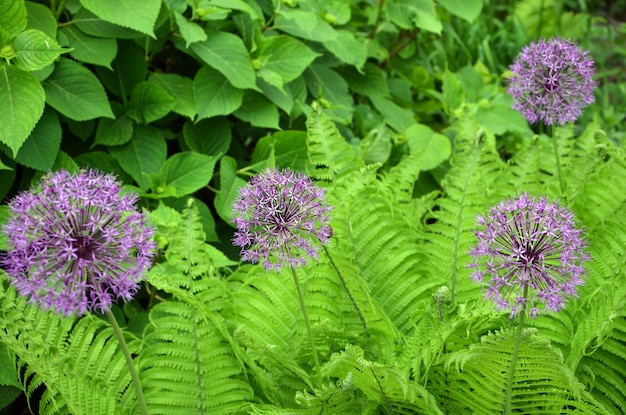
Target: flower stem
<point x="518" y="341"/>
<point x="129" y="362"/>
<point x="558" y="161"/>
<point x="316" y="360"/>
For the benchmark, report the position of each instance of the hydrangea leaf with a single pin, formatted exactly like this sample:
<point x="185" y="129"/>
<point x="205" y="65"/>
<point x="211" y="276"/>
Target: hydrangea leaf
<point x="40" y="17"/>
<point x="191" y="32"/>
<point x="76" y="93"/>
<point x="40" y="149"/>
<point x="114" y="132"/>
<point x="228" y="54"/>
<point x="348" y="49"/>
<point x="229" y="188"/>
<point x="34" y="50"/>
<point x="435" y="147"/>
<point x="137" y="15"/>
<point x="22" y="100"/>
<point x="179" y="87"/>
<point x="143" y="155"/>
<point x="285" y="56"/>
<point x="186" y="172"/>
<point x="465" y="9"/>
<point x="218" y="142"/>
<point x="258" y="111"/>
<point x="89" y="49"/>
<point x="214" y="95"/>
<point x="149" y="102"/>
<point x="305" y="25"/>
<point x="12" y="16"/>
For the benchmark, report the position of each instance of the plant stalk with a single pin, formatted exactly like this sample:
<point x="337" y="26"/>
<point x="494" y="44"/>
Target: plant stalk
<point x="316" y="360"/>
<point x="518" y="341"/>
<point x="558" y="161"/>
<point x="129" y="362"/>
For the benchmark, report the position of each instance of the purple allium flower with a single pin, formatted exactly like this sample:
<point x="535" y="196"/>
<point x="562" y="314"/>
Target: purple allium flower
<point x="281" y="217"/>
<point x="529" y="255"/>
<point x="552" y="81"/>
<point x="76" y="244"/>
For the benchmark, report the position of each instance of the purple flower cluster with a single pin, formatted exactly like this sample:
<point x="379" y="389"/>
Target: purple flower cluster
<point x="529" y="255"/>
<point x="281" y="217"/>
<point x="552" y="81"/>
<point x="76" y="244"/>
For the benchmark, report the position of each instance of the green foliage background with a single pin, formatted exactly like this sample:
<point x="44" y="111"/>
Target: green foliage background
<point x="398" y="108"/>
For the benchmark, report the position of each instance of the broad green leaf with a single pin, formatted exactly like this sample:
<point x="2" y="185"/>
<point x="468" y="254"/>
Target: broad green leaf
<point x="208" y="137"/>
<point x="64" y="161"/>
<point x="7" y="181"/>
<point x="191" y="32"/>
<point x="465" y="9"/>
<point x="452" y="92"/>
<point x="369" y="83"/>
<point x="286" y="148"/>
<point x="285" y="56"/>
<point x="103" y="162"/>
<point x="114" y="132"/>
<point x="35" y="50"/>
<point x="40" y="17"/>
<point x="143" y="155"/>
<point x="76" y="92"/>
<point x="258" y="111"/>
<point x="128" y="69"/>
<point x="214" y="95"/>
<point x="326" y="84"/>
<point x="282" y="99"/>
<point x="89" y="49"/>
<point x="22" y="100"/>
<point x="40" y="149"/>
<point x="498" y="117"/>
<point x="92" y="25"/>
<point x="425" y="16"/>
<point x="395" y="116"/>
<point x="254" y="12"/>
<point x="12" y="16"/>
<point x="227" y="53"/>
<point x="181" y="89"/>
<point x="376" y="146"/>
<point x="149" y="102"/>
<point x="348" y="49"/>
<point x="140" y="15"/>
<point x="187" y="172"/>
<point x="229" y="188"/>
<point x="304" y="24"/>
<point x="435" y="147"/>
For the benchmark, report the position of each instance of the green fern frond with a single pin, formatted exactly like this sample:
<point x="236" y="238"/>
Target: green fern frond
<point x="386" y="385"/>
<point x="329" y="155"/>
<point x="77" y="362"/>
<point x="470" y="188"/>
<point x="187" y="366"/>
<point x="542" y="383"/>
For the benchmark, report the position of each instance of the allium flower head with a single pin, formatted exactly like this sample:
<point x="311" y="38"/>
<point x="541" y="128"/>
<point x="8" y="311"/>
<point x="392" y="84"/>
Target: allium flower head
<point x="552" y="81"/>
<point x="529" y="255"/>
<point x="282" y="218"/>
<point x="76" y="244"/>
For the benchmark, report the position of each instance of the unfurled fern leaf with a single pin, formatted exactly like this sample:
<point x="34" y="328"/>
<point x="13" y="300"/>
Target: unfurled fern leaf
<point x="542" y="383"/>
<point x="384" y="384"/>
<point x="188" y="366"/>
<point x="469" y="188"/>
<point x="329" y="155"/>
<point x="76" y="363"/>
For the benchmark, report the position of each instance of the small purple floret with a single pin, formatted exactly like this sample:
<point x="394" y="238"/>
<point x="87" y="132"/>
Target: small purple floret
<point x="282" y="218"/>
<point x="552" y="81"/>
<point x="76" y="244"/>
<point x="529" y="255"/>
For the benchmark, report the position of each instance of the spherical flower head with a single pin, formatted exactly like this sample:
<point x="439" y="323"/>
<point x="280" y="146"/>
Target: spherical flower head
<point x="552" y="81"/>
<point x="77" y="244"/>
<point x="282" y="218"/>
<point x="529" y="255"/>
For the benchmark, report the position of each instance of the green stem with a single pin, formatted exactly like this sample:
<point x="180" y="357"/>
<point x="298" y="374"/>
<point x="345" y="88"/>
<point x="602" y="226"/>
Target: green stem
<point x="518" y="341"/>
<point x="558" y="161"/>
<point x="129" y="362"/>
<point x="316" y="360"/>
<point x="345" y="287"/>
